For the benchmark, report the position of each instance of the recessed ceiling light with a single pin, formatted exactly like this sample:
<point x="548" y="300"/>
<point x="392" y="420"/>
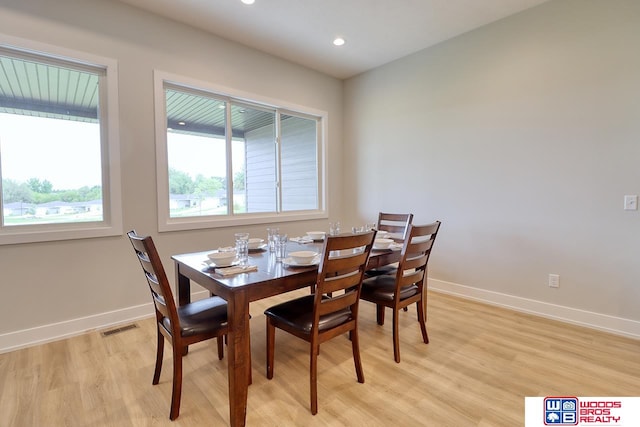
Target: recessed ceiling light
<point x="248" y="1"/>
<point x="181" y="123"/>
<point x="338" y="41"/>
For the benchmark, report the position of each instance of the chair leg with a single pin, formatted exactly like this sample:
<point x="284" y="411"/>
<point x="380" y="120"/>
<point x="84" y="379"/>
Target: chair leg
<point x="271" y="337"/>
<point x="380" y="314"/>
<point x="396" y="337"/>
<point x="422" y="320"/>
<point x="159" y="356"/>
<point x="220" y="341"/>
<point x="250" y="365"/>
<point x="313" y="378"/>
<point x="355" y="346"/>
<point x="177" y="382"/>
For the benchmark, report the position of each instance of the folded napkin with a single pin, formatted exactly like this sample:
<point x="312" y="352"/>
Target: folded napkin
<point x="305" y="239"/>
<point x="229" y="271"/>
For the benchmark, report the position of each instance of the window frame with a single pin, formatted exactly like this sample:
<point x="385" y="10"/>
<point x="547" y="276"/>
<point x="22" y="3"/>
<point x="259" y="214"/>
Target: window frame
<point x="165" y="222"/>
<point x="111" y="224"/>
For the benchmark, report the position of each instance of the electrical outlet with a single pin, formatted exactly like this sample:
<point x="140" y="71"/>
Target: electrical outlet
<point x="554" y="280"/>
<point x="631" y="203"/>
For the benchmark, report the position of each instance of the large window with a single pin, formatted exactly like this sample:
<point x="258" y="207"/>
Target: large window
<point x="57" y="145"/>
<point x="227" y="160"/>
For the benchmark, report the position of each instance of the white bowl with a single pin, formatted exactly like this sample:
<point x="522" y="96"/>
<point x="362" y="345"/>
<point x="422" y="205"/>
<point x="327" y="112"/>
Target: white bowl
<point x="303" y="257"/>
<point x="316" y="235"/>
<point x="382" y="243"/>
<point x="255" y="243"/>
<point x="222" y="258"/>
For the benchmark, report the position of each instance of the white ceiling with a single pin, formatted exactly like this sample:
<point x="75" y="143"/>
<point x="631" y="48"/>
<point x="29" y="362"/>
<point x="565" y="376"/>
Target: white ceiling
<point x="302" y="31"/>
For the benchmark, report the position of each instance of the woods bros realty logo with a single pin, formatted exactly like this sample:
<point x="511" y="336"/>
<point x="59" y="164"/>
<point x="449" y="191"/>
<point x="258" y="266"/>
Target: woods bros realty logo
<point x="582" y="411"/>
<point x="569" y="411"/>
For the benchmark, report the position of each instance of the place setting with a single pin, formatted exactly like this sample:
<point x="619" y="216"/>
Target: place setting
<point x="302" y="259"/>
<point x="257" y="245"/>
<point x="295" y="258"/>
<point x="231" y="260"/>
<point x="310" y="237"/>
<point x="223" y="257"/>
<point x="383" y="244"/>
<point x="227" y="264"/>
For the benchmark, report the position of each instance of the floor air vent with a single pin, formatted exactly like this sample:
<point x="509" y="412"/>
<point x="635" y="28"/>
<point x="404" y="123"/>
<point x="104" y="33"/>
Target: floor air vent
<point x="118" y="330"/>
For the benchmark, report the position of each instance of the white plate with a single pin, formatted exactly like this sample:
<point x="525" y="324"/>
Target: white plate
<point x="292" y="263"/>
<point x="377" y="248"/>
<point x="213" y="264"/>
<point x="259" y="248"/>
<point x="317" y="236"/>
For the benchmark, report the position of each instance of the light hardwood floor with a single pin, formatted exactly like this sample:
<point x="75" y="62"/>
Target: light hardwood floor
<point x="480" y="364"/>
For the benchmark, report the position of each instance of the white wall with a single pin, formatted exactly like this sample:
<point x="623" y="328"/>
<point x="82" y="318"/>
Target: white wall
<point x="58" y="288"/>
<point x="522" y="137"/>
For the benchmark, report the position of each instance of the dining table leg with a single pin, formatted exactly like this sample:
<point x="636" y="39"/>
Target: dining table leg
<point x="184" y="295"/>
<point x="183" y="287"/>
<point x="239" y="356"/>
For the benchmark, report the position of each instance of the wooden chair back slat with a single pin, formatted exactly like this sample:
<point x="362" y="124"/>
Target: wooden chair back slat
<point x="395" y="224"/>
<point x="340" y="274"/>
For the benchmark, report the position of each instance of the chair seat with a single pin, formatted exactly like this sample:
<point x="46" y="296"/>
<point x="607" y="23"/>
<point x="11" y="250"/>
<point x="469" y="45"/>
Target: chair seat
<point x="383" y="288"/>
<point x="201" y="317"/>
<point x="387" y="269"/>
<point x="298" y="314"/>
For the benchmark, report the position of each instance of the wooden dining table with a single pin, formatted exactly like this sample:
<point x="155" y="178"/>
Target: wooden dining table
<point x="271" y="278"/>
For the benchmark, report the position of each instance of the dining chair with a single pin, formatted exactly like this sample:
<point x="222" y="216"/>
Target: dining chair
<point x="181" y="326"/>
<point x="331" y="310"/>
<point x="397" y="226"/>
<point x="408" y="285"/>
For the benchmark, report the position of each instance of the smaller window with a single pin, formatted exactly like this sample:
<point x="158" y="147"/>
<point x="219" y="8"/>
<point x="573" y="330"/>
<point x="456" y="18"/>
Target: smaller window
<point x="56" y="147"/>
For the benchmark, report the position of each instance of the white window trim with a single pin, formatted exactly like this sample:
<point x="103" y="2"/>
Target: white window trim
<point x="111" y="191"/>
<point x="165" y="222"/>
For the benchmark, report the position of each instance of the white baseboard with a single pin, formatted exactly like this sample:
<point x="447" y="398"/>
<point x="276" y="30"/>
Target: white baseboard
<point x="57" y="331"/>
<point x="603" y="322"/>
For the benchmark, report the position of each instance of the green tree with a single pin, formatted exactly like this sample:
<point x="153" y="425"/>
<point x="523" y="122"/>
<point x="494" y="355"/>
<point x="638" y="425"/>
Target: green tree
<point x="39" y="198"/>
<point x="87" y="194"/>
<point x="38" y="186"/>
<point x="180" y="182"/>
<point x="207" y="186"/>
<point x="238" y="181"/>
<point x="14" y="191"/>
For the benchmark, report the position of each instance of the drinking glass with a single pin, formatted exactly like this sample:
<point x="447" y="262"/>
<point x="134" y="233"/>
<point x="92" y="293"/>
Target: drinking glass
<point x="334" y="228"/>
<point x="242" y="247"/>
<point x="281" y="246"/>
<point x="272" y="232"/>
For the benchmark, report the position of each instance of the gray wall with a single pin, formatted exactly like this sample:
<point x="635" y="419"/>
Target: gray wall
<point x="523" y="138"/>
<point x="57" y="288"/>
